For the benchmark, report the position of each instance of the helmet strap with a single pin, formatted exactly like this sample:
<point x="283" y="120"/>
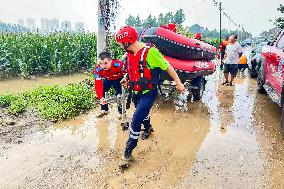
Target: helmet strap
<point x="126" y="45"/>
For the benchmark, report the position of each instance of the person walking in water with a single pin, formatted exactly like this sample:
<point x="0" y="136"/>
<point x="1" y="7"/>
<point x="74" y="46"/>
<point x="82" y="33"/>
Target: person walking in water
<point x="231" y="60"/>
<point x="143" y="65"/>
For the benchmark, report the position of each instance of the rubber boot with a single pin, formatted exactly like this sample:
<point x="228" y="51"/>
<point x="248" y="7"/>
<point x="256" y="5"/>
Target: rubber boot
<point x="146" y="133"/>
<point x="126" y="159"/>
<point x="102" y="114"/>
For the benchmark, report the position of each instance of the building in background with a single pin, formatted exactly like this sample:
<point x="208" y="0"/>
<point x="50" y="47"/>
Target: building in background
<point x="21" y="22"/>
<point x="30" y="24"/>
<point x="54" y="25"/>
<point x="49" y="25"/>
<point x="66" y="26"/>
<point x="79" y="27"/>
<point x="44" y="25"/>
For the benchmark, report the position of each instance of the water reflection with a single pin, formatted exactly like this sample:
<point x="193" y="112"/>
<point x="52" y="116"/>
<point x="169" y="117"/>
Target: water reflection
<point x="22" y="85"/>
<point x="230" y="156"/>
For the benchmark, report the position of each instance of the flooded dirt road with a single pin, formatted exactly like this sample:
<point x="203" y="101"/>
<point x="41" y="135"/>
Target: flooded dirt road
<point x="230" y="139"/>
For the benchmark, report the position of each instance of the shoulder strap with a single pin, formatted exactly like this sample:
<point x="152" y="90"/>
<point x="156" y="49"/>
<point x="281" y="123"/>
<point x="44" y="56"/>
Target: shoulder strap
<point x="142" y="62"/>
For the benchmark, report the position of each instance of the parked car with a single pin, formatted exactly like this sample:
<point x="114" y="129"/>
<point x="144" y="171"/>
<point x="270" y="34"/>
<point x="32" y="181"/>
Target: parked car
<point x="255" y="60"/>
<point x="243" y="44"/>
<point x="271" y="73"/>
<point x="248" y="42"/>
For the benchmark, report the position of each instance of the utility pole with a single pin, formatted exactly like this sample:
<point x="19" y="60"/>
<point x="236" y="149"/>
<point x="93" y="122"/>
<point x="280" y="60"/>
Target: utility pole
<point x="243" y="33"/>
<point x="239" y="37"/>
<point x="101" y="36"/>
<point x="220" y="9"/>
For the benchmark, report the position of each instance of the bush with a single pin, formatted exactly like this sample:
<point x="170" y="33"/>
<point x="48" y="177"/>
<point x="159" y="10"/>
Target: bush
<point x="17" y="106"/>
<point x="53" y="102"/>
<point x="6" y="100"/>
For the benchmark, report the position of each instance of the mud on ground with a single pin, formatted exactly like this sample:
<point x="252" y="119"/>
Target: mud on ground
<point x="230" y="139"/>
<point x="14" y="128"/>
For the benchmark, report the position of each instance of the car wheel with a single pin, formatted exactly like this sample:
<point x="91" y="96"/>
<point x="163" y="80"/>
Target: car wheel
<point x="282" y="120"/>
<point x="260" y="80"/>
<point x="253" y="74"/>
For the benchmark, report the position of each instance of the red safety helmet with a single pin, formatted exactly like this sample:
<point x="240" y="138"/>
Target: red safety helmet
<point x="198" y="35"/>
<point x="164" y="26"/>
<point x="172" y="27"/>
<point x="126" y="35"/>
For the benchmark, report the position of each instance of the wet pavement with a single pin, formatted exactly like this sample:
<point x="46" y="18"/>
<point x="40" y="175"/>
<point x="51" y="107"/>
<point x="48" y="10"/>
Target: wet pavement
<point x="230" y="139"/>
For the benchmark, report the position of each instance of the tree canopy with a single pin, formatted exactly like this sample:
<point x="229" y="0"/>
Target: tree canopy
<point x="280" y="20"/>
<point x="151" y="21"/>
<point x="178" y="18"/>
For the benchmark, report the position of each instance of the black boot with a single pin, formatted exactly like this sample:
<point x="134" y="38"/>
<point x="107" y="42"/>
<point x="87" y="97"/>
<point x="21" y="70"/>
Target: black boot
<point x="147" y="133"/>
<point x="126" y="159"/>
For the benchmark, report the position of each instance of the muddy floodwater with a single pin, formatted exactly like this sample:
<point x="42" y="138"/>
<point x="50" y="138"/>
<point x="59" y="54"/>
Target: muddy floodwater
<point x="20" y="85"/>
<point x="229" y="139"/>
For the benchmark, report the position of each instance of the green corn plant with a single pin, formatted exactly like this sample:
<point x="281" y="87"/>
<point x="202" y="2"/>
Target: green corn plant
<point x="35" y="54"/>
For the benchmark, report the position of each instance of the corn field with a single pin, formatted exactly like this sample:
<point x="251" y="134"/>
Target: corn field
<point x="27" y="54"/>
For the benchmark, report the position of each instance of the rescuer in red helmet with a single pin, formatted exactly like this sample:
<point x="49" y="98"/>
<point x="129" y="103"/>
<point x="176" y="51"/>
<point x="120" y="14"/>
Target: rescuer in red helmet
<point x="198" y="36"/>
<point x="143" y="65"/>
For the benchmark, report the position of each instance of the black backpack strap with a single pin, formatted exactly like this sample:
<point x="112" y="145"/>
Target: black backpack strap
<point x="142" y="63"/>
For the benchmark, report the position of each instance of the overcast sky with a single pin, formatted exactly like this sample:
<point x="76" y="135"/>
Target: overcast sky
<point x="254" y="15"/>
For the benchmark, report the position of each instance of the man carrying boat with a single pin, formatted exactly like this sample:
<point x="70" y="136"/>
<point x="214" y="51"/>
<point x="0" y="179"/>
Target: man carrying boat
<point x="144" y="65"/>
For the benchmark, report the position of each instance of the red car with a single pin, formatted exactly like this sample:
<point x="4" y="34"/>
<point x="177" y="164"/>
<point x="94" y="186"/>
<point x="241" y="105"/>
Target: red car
<point x="271" y="73"/>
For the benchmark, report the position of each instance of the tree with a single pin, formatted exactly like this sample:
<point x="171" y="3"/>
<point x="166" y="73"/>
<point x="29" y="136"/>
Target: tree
<point x="196" y="28"/>
<point x="179" y="17"/>
<point x="169" y="18"/>
<point x="131" y="21"/>
<point x="150" y="22"/>
<point x="161" y="20"/>
<point x="138" y="21"/>
<point x="280" y="21"/>
<point x="4" y="27"/>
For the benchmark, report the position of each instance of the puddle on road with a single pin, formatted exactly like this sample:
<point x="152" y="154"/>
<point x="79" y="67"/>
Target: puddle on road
<point x="229" y="156"/>
<point x="79" y="143"/>
<point x="235" y="154"/>
<point x="164" y="158"/>
<point x="161" y="161"/>
<point x="55" y="150"/>
<point x="267" y="116"/>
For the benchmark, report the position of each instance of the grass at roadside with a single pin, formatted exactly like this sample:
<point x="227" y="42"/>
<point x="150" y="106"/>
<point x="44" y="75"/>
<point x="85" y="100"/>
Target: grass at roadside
<point x="52" y="102"/>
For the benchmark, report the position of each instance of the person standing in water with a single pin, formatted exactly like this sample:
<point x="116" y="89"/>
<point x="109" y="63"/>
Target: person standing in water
<point x="144" y="65"/>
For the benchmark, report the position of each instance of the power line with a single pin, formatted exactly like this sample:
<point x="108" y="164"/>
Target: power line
<point x="226" y="14"/>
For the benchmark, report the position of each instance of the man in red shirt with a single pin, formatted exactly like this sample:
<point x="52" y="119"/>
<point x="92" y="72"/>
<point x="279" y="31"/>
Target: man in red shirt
<point x="223" y="46"/>
<point x="107" y="74"/>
